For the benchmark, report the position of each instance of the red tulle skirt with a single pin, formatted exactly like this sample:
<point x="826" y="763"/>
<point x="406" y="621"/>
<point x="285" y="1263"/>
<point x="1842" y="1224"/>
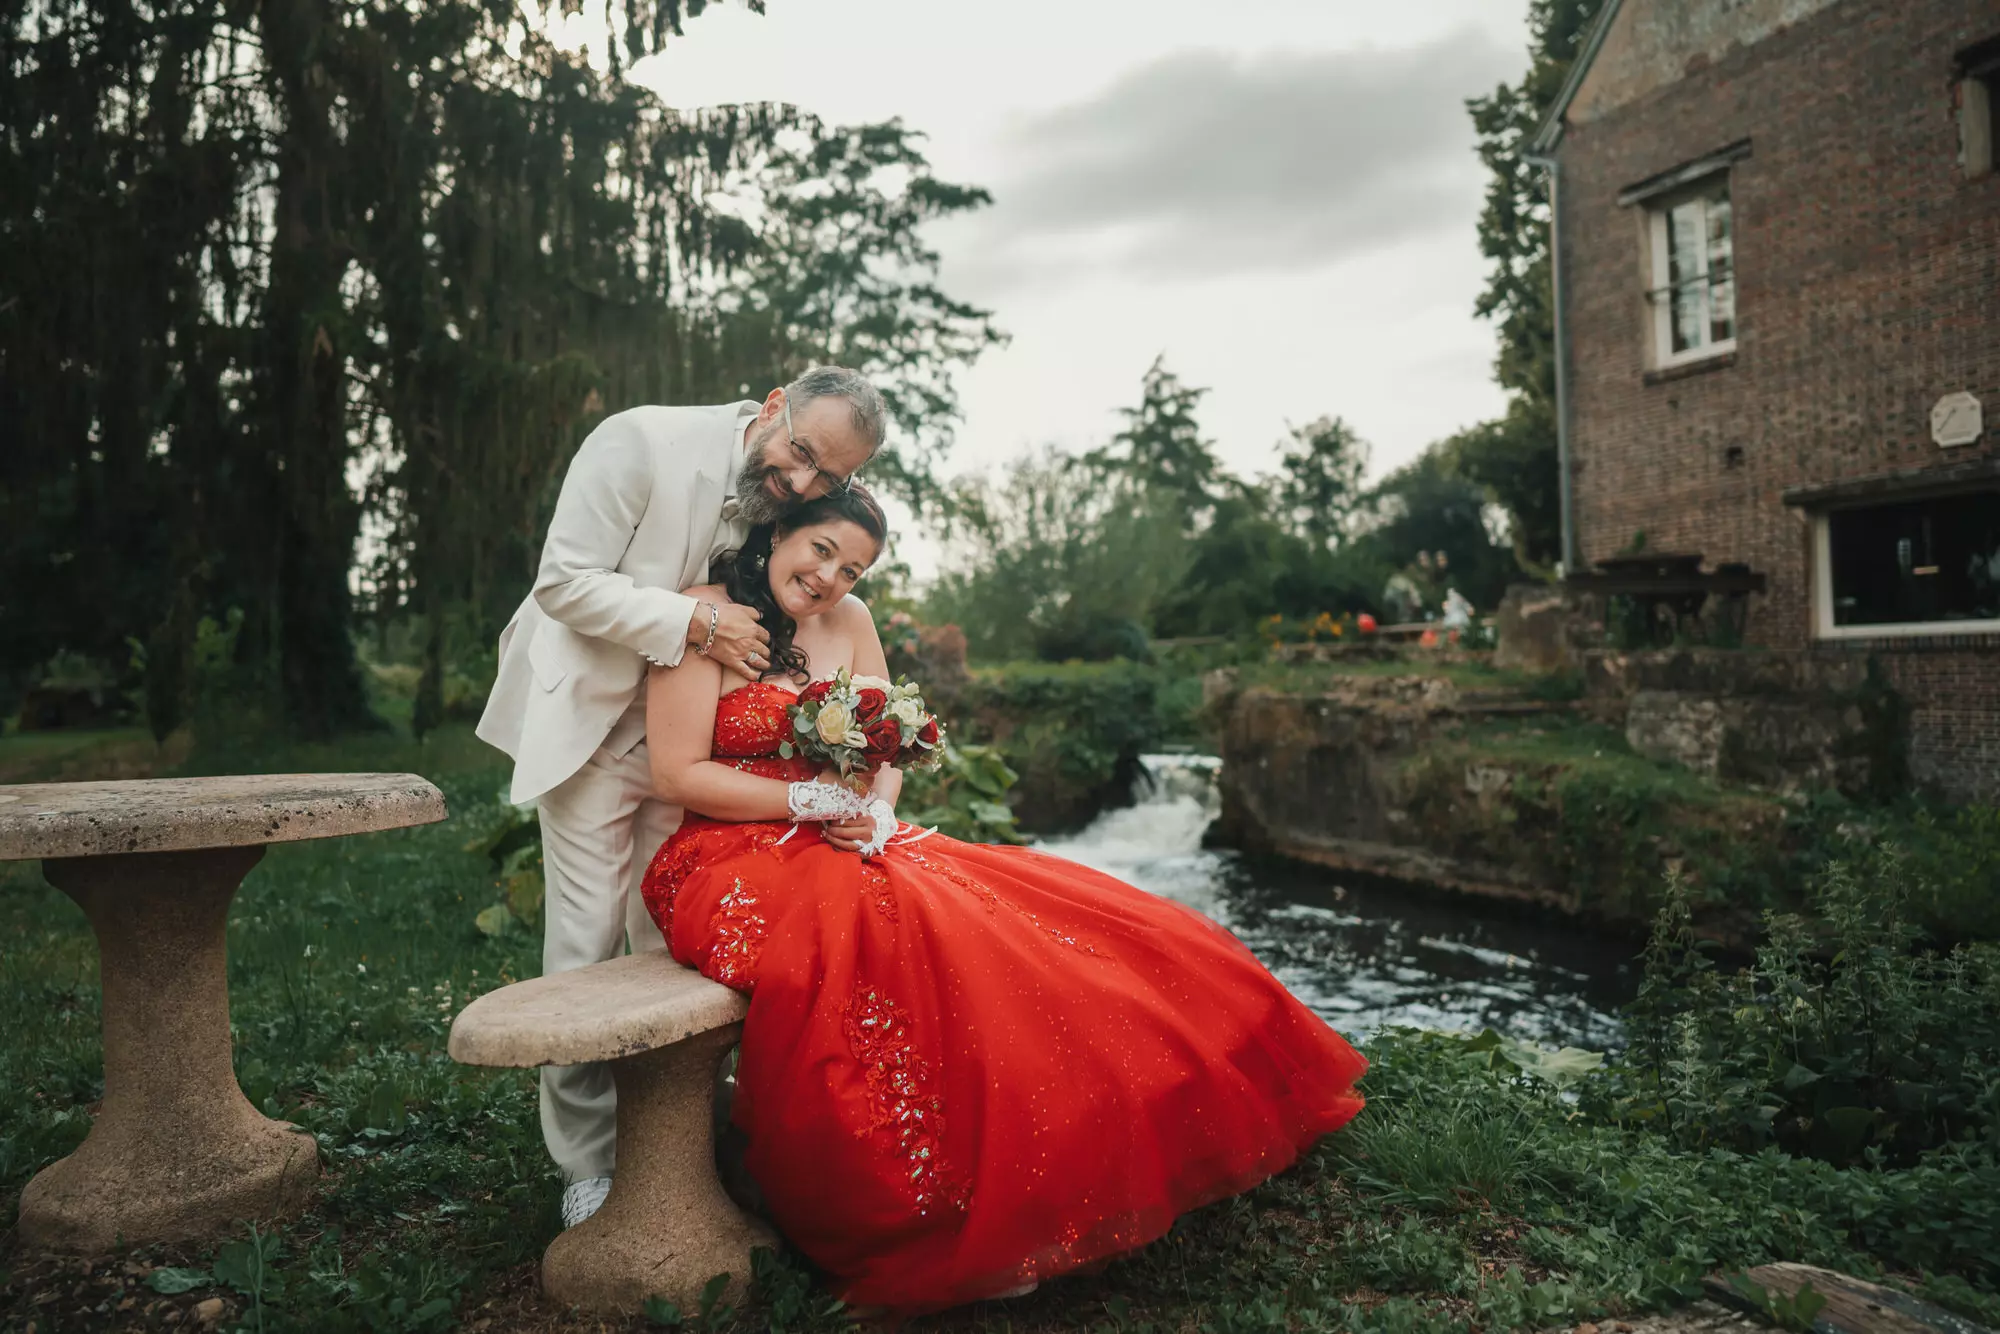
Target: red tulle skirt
<point x="969" y="1067"/>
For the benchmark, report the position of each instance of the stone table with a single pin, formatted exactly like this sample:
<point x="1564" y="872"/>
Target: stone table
<point x="177" y="1150"/>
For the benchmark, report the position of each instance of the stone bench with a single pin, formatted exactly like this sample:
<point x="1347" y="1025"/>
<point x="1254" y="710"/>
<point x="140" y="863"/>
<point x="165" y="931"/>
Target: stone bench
<point x="667" y="1227"/>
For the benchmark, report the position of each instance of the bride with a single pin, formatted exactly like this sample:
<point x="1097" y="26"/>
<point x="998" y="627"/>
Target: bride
<point x="965" y="1068"/>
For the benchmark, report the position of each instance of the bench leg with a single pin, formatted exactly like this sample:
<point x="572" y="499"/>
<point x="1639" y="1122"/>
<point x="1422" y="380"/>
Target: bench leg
<point x="176" y="1150"/>
<point x="667" y="1228"/>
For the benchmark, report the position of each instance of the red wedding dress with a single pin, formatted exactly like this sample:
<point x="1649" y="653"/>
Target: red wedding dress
<point x="968" y="1067"/>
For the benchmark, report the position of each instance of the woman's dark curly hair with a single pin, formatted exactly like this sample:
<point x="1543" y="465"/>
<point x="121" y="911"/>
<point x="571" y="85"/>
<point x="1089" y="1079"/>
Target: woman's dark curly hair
<point x="745" y="575"/>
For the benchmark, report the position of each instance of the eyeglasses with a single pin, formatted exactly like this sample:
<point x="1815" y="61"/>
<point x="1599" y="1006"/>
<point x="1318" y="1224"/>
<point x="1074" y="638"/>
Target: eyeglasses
<point x="836" y="485"/>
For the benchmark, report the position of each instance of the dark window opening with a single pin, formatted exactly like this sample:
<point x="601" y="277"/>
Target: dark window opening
<point x="1979" y="107"/>
<point x="1917" y="561"/>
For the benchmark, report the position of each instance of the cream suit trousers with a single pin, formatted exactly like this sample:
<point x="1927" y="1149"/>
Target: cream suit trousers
<point x="600" y="829"/>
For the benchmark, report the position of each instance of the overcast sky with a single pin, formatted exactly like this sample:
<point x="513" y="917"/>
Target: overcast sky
<point x="1279" y="195"/>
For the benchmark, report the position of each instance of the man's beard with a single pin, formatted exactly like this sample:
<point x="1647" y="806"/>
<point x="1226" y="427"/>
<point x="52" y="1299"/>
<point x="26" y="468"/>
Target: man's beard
<point x="754" y="503"/>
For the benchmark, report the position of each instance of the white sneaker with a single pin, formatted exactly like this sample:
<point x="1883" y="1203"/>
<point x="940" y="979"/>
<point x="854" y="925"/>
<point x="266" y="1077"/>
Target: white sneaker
<point x="584" y="1198"/>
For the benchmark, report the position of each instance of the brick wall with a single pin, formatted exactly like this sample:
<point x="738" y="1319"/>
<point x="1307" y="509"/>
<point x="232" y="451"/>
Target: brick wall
<point x="1868" y="285"/>
<point x="1954" y="696"/>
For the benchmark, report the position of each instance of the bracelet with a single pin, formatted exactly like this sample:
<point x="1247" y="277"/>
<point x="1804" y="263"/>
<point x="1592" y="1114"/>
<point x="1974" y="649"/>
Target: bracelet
<point x="714" y="617"/>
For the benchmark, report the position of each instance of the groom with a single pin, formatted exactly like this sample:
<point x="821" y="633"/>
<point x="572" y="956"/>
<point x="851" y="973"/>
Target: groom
<point x="653" y="496"/>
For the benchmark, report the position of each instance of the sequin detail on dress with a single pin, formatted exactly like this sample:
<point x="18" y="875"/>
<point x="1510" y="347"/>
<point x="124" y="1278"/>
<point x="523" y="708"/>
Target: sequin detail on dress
<point x="992" y="900"/>
<point x="736" y="931"/>
<point x="881" y="893"/>
<point x="672" y="865"/>
<point x="753" y="722"/>
<point x="903" y="1098"/>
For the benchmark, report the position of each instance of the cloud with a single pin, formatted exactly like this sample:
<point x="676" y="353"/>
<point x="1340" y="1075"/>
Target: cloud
<point x="1205" y="163"/>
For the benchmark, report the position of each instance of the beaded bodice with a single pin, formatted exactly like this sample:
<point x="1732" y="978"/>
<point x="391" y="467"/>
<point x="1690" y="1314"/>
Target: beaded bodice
<point x="750" y="722"/>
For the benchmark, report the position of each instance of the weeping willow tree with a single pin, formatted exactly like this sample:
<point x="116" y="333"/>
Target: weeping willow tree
<point x="276" y="274"/>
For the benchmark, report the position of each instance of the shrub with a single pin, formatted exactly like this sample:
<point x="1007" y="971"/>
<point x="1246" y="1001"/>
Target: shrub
<point x="1074" y="733"/>
<point x="1843" y="1041"/>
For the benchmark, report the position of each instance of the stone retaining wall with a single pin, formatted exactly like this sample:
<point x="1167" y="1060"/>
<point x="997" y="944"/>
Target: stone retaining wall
<point x="1783" y="720"/>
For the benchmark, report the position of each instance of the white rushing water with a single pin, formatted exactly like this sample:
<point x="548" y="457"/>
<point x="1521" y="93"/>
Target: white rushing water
<point x="1362" y="958"/>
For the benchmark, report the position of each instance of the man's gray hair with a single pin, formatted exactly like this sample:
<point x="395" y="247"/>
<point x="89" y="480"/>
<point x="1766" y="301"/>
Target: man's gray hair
<point x="870" y="413"/>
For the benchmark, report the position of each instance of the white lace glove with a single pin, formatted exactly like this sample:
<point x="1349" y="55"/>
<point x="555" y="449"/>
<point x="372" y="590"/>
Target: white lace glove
<point x="884" y="816"/>
<point x="815" y="802"/>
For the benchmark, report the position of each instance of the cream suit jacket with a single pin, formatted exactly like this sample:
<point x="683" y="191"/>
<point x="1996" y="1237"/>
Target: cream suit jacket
<point x="639" y="516"/>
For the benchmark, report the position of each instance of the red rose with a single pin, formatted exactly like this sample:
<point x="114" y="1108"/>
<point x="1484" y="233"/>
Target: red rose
<point x="927" y="735"/>
<point x="885" y="740"/>
<point x="1366" y="623"/>
<point x="872" y="702"/>
<point x="816" y="692"/>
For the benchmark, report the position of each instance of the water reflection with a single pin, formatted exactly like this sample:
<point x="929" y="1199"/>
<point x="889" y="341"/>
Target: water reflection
<point x="1364" y="956"/>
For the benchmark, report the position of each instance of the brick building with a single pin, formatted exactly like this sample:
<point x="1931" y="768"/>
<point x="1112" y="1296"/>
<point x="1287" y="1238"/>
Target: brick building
<point x="1778" y="240"/>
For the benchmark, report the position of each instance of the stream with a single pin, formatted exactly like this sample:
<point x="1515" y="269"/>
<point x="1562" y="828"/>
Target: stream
<point x="1364" y="956"/>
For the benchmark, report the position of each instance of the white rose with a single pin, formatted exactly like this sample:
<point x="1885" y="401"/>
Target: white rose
<point x="908" y="712"/>
<point x="873" y="683"/>
<point x="835" y="724"/>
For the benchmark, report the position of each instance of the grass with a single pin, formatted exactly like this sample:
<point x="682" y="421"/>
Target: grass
<point x="113" y="752"/>
<point x="1466" y="670"/>
<point x="1597" y="753"/>
<point x="1469" y="1194"/>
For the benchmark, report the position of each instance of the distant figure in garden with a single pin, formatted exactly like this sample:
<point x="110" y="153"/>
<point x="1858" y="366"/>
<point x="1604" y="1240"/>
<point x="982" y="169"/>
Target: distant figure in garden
<point x="965" y="1068"/>
<point x="652" y="497"/>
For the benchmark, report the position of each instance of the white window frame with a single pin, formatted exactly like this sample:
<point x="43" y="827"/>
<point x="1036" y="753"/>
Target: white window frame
<point x="1659" y="296"/>
<point x="1822" y="585"/>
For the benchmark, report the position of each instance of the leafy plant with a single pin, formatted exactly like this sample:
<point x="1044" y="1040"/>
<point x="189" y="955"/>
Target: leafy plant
<point x="1559" y="1068"/>
<point x="510" y="839"/>
<point x="965" y="796"/>
<point x="711" y="1312"/>
<point x="250" y="1267"/>
<point x="1844" y="1040"/>
<point x="1794" y="1311"/>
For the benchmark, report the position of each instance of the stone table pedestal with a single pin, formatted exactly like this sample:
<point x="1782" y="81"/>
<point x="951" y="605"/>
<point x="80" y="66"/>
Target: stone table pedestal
<point x="177" y="1150"/>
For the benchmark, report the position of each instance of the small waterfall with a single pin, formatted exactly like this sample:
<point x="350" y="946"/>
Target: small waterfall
<point x="1155" y="843"/>
<point x="1362" y="958"/>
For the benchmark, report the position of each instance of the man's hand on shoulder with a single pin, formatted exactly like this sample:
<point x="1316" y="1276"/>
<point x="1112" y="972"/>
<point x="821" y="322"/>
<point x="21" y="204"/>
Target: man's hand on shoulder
<point x="740" y="643"/>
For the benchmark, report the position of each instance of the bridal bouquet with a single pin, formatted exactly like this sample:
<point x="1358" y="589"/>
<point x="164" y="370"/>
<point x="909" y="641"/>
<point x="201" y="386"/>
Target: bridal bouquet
<point x="858" y="723"/>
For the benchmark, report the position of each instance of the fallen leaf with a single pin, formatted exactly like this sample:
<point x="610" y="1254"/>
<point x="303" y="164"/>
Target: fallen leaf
<point x="208" y="1312"/>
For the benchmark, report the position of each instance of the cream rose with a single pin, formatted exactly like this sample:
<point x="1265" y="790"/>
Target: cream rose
<point x="836" y="726"/>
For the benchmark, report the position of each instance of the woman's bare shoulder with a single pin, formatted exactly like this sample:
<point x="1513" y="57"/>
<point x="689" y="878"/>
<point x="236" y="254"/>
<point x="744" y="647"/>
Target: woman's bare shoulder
<point x="852" y="613"/>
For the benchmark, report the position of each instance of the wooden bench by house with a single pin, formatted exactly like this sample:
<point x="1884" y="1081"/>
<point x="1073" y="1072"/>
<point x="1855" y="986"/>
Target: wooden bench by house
<point x="667" y="1227"/>
<point x="1670" y="589"/>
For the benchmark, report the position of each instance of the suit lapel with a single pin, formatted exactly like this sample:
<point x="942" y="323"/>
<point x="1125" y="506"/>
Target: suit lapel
<point x="704" y="520"/>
